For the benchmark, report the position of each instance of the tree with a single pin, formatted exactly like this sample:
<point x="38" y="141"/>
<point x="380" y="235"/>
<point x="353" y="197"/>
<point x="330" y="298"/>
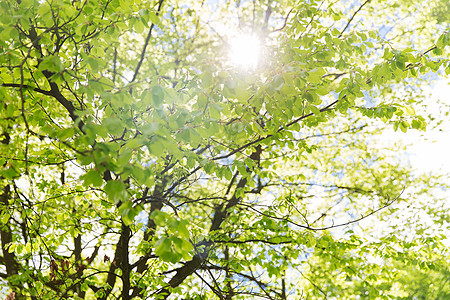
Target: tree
<point x="138" y="162"/>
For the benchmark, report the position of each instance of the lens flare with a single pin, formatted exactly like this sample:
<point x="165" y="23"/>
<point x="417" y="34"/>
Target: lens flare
<point x="245" y="51"/>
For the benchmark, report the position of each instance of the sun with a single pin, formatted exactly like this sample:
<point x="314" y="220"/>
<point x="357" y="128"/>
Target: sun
<point x="245" y="51"/>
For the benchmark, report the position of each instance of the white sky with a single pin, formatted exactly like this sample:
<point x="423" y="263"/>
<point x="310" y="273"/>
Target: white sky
<point x="430" y="150"/>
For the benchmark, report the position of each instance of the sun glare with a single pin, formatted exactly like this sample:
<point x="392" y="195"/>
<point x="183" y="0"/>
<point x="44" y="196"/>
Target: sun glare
<point x="245" y="51"/>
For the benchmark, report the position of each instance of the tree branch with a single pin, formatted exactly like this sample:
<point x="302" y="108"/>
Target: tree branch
<point x="147" y="39"/>
<point x="220" y="214"/>
<point x="17" y="85"/>
<point x="284" y="127"/>
<point x="352" y="17"/>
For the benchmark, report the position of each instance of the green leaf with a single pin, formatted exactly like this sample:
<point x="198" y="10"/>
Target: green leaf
<point x="154" y="18"/>
<point x="113" y="126"/>
<point x="51" y="63"/>
<point x="410" y="110"/>
<point x="182" y="230"/>
<point x="116" y="191"/>
<point x="162" y="246"/>
<point x="157" y="95"/>
<point x="139" y="26"/>
<point x="5" y="217"/>
<point x="277" y="83"/>
<point x="128" y="212"/>
<point x="159" y="217"/>
<point x="66" y="133"/>
<point x="92" y="177"/>
<point x="314" y="109"/>
<point x="9" y="173"/>
<point x="180" y="141"/>
<point x="93" y="63"/>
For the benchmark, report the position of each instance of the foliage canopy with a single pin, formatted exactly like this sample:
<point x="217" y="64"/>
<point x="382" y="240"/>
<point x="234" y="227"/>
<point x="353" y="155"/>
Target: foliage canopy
<point x="138" y="162"/>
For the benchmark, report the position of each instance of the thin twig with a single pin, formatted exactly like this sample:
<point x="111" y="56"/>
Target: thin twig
<point x="353" y="16"/>
<point x="147" y="39"/>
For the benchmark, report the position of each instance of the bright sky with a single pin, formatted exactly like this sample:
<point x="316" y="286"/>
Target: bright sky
<point x="430" y="149"/>
<point x="245" y="50"/>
